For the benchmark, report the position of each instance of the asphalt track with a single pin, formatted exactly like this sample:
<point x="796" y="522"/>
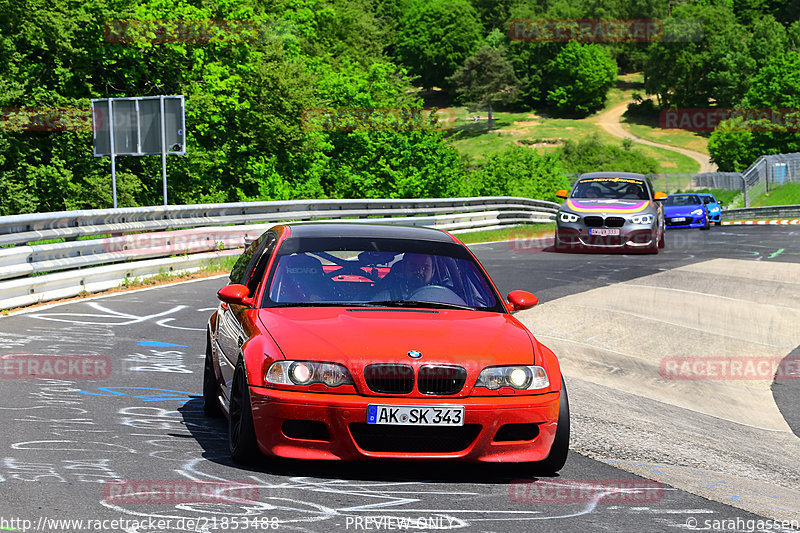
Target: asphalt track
<point x="62" y="441"/>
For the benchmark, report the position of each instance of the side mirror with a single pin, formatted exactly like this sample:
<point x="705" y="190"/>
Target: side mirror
<point x="721" y="203"/>
<point x="235" y="294"/>
<point x="562" y="193"/>
<point x="521" y="300"/>
<point x="659" y="196"/>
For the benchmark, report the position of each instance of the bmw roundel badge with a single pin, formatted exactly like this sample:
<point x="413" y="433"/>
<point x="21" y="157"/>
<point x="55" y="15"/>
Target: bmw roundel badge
<point x="413" y="354"/>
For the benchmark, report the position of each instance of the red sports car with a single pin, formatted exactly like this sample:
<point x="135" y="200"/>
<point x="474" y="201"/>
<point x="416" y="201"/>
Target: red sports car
<point x="363" y="341"/>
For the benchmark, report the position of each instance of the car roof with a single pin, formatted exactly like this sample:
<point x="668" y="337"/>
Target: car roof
<point x="686" y="194"/>
<point x="629" y="175"/>
<point x="367" y="230"/>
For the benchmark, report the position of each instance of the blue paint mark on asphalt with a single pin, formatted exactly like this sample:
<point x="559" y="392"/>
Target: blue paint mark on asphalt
<point x="161" y="344"/>
<point x="151" y="395"/>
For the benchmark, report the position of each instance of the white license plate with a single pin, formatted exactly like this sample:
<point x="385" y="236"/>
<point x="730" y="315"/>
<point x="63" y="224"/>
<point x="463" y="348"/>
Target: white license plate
<point x="415" y="415"/>
<point x="603" y="231"/>
<point x="679" y="219"/>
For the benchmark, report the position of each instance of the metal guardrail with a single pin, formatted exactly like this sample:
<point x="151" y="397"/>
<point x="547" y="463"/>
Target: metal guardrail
<point x="20" y="229"/>
<point x="776" y="211"/>
<point x="73" y="267"/>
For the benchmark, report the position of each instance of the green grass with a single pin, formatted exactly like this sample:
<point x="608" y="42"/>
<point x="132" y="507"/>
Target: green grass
<point x="504" y="233"/>
<point x="722" y="195"/>
<point x="680" y="138"/>
<point x="542" y="133"/>
<point x="788" y="194"/>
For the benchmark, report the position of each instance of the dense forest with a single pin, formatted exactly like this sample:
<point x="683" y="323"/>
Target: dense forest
<point x="254" y="71"/>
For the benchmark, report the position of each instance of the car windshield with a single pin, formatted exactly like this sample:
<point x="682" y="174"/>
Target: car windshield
<point x="614" y="188"/>
<point x="689" y="199"/>
<point x="371" y="272"/>
<point x="708" y="199"/>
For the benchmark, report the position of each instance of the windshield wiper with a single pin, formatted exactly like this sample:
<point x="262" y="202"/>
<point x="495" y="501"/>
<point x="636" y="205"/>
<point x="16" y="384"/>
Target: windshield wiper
<point x="419" y="303"/>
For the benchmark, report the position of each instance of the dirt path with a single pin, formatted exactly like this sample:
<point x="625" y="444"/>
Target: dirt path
<point x="609" y="120"/>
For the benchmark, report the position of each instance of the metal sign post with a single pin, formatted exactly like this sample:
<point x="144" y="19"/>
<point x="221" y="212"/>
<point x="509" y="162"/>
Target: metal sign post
<point x="163" y="148"/>
<point x="113" y="162"/>
<point x="150" y="125"/>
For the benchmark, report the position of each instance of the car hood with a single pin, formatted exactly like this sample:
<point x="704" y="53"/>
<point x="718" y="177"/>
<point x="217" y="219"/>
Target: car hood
<point x="364" y="335"/>
<point x="680" y="210"/>
<point x="607" y="205"/>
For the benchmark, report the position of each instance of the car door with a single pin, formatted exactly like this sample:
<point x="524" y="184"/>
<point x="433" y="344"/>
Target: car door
<point x="230" y="332"/>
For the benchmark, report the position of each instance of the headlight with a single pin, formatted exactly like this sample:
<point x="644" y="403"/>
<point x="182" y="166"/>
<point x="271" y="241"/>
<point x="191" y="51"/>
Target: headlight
<point x="697" y="212"/>
<point x="307" y="373"/>
<point x="518" y="377"/>
<point x="567" y="217"/>
<point x="642" y="219"/>
<point x="714" y="209"/>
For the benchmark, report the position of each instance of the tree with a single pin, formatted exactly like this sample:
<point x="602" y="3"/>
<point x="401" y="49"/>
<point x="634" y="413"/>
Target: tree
<point x="518" y="171"/>
<point x="691" y="70"/>
<point x="486" y="78"/>
<point x="579" y="78"/>
<point x="436" y="37"/>
<point x="737" y="142"/>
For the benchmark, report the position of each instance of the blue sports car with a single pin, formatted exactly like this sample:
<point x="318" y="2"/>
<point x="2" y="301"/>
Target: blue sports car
<point x="685" y="211"/>
<point x="713" y="207"/>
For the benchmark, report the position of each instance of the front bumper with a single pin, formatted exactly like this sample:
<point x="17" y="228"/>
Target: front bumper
<point x="690" y="221"/>
<point x="631" y="237"/>
<point x="350" y="438"/>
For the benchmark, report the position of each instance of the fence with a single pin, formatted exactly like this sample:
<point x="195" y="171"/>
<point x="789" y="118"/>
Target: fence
<point x="147" y="240"/>
<point x="766" y="173"/>
<point x="771" y="171"/>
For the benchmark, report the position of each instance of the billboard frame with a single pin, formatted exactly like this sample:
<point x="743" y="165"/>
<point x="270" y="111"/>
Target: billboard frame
<point x="134" y="116"/>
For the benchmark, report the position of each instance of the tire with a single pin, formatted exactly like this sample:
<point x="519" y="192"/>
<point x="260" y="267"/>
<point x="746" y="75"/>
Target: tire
<point x="241" y="431"/>
<point x="707" y="224"/>
<point x="210" y="387"/>
<point x="718" y="223"/>
<point x="558" y="453"/>
<point x="662" y="240"/>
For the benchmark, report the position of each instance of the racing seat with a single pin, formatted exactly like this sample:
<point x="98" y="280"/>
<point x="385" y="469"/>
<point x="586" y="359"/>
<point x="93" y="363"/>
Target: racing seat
<point x="302" y="279"/>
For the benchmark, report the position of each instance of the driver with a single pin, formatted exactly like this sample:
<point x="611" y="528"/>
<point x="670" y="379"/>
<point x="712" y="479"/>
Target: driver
<point x="411" y="273"/>
<point x="418" y="270"/>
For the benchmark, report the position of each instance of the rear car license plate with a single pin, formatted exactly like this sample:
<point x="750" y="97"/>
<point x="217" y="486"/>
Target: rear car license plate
<point x="603" y="231"/>
<point x="415" y="415"/>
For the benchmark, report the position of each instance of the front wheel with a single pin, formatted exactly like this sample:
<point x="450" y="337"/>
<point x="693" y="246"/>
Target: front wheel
<point x="707" y="224"/>
<point x="241" y="431"/>
<point x="558" y="453"/>
<point x="210" y="400"/>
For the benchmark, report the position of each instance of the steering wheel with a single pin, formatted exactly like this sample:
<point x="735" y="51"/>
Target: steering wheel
<point x="436" y="294"/>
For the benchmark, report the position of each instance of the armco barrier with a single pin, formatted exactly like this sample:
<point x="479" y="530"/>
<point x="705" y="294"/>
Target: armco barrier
<point x="159" y="242"/>
<point x="21" y="229"/>
<point x="776" y="211"/>
<point x="37" y="289"/>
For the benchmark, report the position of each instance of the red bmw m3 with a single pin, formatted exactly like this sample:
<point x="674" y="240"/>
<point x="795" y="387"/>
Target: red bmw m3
<point x="351" y="341"/>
